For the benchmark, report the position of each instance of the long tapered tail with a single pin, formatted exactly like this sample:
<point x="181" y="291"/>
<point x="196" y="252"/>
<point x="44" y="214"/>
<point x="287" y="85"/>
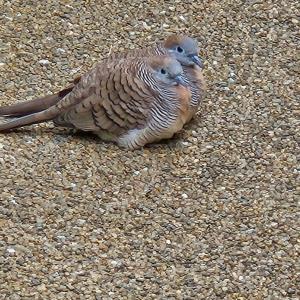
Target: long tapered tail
<point x="39" y="117"/>
<point x="53" y="109"/>
<point x="36" y="105"/>
<point x="29" y="107"/>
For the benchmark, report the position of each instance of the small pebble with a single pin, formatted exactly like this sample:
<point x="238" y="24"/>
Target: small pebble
<point x="44" y="62"/>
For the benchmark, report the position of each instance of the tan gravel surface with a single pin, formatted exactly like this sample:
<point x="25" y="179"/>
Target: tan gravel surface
<point x="211" y="214"/>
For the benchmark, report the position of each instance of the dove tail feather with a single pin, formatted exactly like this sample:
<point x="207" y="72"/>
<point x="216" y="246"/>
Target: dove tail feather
<point x="33" y="106"/>
<point x="39" y="117"/>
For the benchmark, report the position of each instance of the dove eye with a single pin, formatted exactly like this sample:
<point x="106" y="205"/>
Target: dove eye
<point x="179" y="49"/>
<point x="163" y="71"/>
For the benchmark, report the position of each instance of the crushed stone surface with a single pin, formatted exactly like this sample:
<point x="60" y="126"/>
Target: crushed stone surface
<point x="210" y="214"/>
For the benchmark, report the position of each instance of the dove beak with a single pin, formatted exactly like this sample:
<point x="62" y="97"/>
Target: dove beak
<point x="197" y="60"/>
<point x="179" y="80"/>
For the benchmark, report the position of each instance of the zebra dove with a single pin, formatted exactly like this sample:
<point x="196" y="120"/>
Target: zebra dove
<point x="185" y="50"/>
<point x="181" y="47"/>
<point x="129" y="101"/>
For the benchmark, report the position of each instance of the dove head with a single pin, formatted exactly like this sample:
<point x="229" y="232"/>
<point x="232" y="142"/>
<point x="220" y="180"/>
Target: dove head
<point x="166" y="70"/>
<point x="184" y="49"/>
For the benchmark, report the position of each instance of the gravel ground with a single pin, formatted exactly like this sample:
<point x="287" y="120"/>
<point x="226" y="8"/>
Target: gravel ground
<point x="211" y="214"/>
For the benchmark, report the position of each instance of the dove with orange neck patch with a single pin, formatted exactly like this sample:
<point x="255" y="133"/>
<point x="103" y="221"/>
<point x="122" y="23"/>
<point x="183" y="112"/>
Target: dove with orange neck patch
<point x="181" y="47"/>
<point x="132" y="102"/>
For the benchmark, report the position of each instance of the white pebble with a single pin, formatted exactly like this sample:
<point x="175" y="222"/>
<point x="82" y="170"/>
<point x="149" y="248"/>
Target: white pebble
<point x="44" y="62"/>
<point x="62" y="238"/>
<point x="80" y="222"/>
<point x="11" y="250"/>
<point x="13" y="201"/>
<point x="146" y="26"/>
<point x="116" y="263"/>
<point x="60" y="50"/>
